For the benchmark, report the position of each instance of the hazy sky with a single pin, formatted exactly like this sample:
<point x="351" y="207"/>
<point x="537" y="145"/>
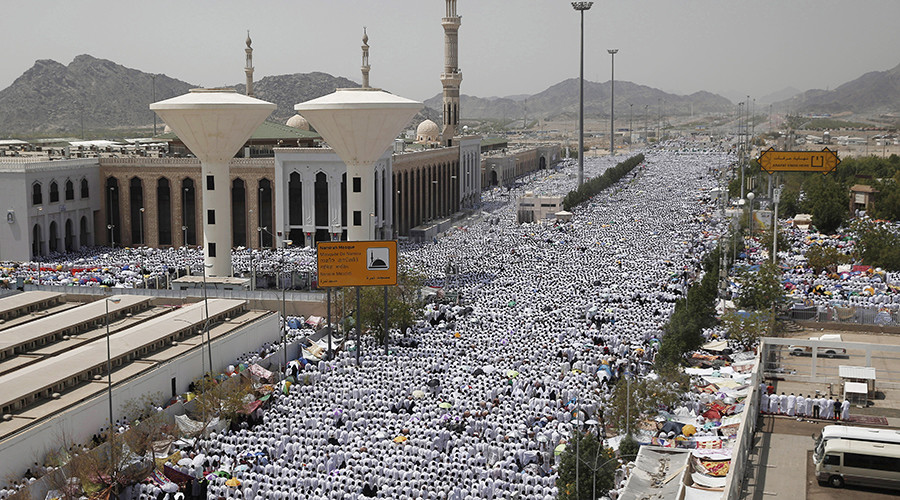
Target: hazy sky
<point x="731" y="47"/>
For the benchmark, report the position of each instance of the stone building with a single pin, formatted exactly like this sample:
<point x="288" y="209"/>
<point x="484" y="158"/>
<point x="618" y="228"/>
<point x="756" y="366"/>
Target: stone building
<point x="51" y="206"/>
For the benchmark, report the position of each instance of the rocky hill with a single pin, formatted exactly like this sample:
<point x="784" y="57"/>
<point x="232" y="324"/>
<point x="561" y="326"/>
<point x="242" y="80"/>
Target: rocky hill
<point x="876" y="92"/>
<point x="52" y="98"/>
<point x="561" y="101"/>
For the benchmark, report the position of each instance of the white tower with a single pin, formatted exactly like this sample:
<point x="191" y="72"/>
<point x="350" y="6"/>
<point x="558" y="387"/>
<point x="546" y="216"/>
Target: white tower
<point x="365" y="59"/>
<point x="452" y="76"/>
<point x="248" y="67"/>
<point x="214" y="124"/>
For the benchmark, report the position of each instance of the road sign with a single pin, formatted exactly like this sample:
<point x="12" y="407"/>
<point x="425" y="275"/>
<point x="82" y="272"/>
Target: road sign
<point x="356" y="263"/>
<point x="799" y="161"/>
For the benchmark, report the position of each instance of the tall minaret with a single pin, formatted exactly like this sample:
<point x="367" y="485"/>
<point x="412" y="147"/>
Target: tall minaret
<point x="365" y="59"/>
<point x="248" y="69"/>
<point x="451" y="77"/>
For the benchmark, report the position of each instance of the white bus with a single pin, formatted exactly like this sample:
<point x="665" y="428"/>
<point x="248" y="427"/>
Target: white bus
<point x="868" y="434"/>
<point x="859" y="462"/>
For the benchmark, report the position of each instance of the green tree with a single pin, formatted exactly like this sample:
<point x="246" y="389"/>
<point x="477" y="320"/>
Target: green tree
<point x="828" y="202"/>
<point x="761" y="290"/>
<point x="684" y="330"/>
<point x="822" y="258"/>
<point x="596" y="468"/>
<point x="625" y="414"/>
<point x="404" y="301"/>
<point x="746" y="328"/>
<point x="878" y="245"/>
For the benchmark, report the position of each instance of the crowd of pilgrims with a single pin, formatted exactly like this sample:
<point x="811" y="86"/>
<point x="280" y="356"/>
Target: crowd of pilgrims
<point x="476" y="401"/>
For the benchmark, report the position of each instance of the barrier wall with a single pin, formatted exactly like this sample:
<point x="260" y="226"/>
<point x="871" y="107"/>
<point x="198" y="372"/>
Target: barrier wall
<point x="744" y="444"/>
<point x="79" y="423"/>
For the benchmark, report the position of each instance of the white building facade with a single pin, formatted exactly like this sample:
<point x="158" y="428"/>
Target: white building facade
<point x="51" y="206"/>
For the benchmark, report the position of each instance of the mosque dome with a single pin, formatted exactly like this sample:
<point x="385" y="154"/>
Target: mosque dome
<point x="427" y="131"/>
<point x="298" y="122"/>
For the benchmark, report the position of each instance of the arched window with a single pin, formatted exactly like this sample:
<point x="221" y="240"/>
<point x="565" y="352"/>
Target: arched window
<point x="70" y="190"/>
<point x="54" y="192"/>
<point x="85" y="191"/>
<point x="37" y="196"/>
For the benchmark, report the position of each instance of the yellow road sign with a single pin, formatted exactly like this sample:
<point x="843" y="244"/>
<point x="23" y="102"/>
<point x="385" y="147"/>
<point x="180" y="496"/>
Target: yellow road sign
<point x="356" y="263"/>
<point x="799" y="161"/>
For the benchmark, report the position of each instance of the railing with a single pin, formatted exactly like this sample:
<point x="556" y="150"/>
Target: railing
<point x="849" y="315"/>
<point x="267" y="294"/>
<point x="744" y="444"/>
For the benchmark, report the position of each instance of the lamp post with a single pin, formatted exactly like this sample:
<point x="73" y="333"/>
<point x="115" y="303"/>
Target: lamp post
<point x="776" y="198"/>
<point x="581" y="7"/>
<point x="740" y="146"/>
<point x="284" y="304"/>
<point x="153" y="79"/>
<point x="630" y="125"/>
<point x="646" y="132"/>
<point x="206" y="325"/>
<point x="141" y="223"/>
<point x="106" y="301"/>
<point x="612" y="103"/>
<point x="184" y="235"/>
<point x="750" y="197"/>
<point x="112" y="235"/>
<point x="454" y="195"/>
<point x="434" y="206"/>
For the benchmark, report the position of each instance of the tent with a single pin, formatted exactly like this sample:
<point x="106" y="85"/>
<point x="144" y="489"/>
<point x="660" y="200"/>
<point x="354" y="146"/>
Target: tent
<point x="856" y="393"/>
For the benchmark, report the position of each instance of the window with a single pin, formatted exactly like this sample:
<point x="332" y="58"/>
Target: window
<point x="85" y="192"/>
<point x="832" y="460"/>
<point x="54" y="192"/>
<point x="357" y="184"/>
<point x="357" y="218"/>
<point x="70" y="190"/>
<point x="36" y="194"/>
<point x="872" y="462"/>
<point x="210" y="183"/>
<point x="212" y="249"/>
<point x="211" y="216"/>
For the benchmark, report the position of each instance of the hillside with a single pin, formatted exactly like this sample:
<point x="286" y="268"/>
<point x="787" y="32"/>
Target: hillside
<point x="561" y="100"/>
<point x="51" y="97"/>
<point x="876" y="92"/>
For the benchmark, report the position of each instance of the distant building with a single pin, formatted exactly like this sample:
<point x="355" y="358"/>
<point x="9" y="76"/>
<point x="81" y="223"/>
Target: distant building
<point x="531" y="208"/>
<point x="862" y="197"/>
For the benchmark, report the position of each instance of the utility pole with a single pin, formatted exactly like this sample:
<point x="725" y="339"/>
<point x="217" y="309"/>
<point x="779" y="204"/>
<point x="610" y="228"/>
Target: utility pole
<point x="581" y="7"/>
<point x="612" y="104"/>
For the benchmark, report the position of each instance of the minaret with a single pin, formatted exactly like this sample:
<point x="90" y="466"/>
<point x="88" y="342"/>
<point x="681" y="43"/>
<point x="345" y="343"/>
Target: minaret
<point x="248" y="69"/>
<point x="365" y="59"/>
<point x="451" y="77"/>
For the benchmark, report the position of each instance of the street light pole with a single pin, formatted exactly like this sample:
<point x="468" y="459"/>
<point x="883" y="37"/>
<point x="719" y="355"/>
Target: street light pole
<point x="206" y="306"/>
<point x="284" y="304"/>
<point x="630" y="125"/>
<point x="107" y="300"/>
<point x="141" y="223"/>
<point x="581" y="7"/>
<point x="612" y="104"/>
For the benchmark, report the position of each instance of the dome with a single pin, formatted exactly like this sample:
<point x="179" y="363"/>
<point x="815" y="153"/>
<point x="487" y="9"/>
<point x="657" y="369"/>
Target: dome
<point x="427" y="131"/>
<point x="167" y="130"/>
<point x="298" y="122"/>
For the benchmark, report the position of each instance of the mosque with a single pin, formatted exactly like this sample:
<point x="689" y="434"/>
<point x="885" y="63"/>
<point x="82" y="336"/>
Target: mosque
<point x="285" y="186"/>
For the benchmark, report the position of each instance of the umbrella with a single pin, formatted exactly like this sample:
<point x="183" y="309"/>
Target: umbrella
<point x="591" y="422"/>
<point x="418" y="394"/>
<point x="185" y="462"/>
<point x="542" y="438"/>
<point x="512" y="373"/>
<point x="688" y="430"/>
<point x="400" y="439"/>
<point x="233" y="482"/>
<point x="242" y="467"/>
<point x="489" y="369"/>
<point x="478" y="371"/>
<point x="444" y="405"/>
<point x="559" y="449"/>
<point x="170" y="487"/>
<point x="222" y="473"/>
<point x="434" y="382"/>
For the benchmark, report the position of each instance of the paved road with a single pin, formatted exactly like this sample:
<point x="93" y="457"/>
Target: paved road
<point x="784" y="448"/>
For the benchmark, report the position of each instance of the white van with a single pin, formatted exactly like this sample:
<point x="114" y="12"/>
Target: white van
<point x="859" y="462"/>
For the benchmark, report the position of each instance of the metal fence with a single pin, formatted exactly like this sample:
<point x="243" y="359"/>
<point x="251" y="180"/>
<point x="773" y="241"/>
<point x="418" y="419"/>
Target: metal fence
<point x="848" y="315"/>
<point x="268" y="294"/>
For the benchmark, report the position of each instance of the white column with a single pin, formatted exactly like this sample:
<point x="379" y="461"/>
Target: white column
<point x="362" y="202"/>
<point x="218" y="199"/>
<point x="309" y="201"/>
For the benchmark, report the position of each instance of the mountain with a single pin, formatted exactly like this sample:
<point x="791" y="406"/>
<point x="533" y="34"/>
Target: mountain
<point x="50" y="97"/>
<point x="873" y="92"/>
<point x="288" y="90"/>
<point x="561" y="101"/>
<point x="779" y="95"/>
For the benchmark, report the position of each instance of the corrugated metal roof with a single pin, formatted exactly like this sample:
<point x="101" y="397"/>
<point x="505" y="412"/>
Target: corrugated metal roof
<point x="859" y="372"/>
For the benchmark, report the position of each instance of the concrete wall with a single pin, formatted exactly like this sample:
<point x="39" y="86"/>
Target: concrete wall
<point x="79" y="423"/>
